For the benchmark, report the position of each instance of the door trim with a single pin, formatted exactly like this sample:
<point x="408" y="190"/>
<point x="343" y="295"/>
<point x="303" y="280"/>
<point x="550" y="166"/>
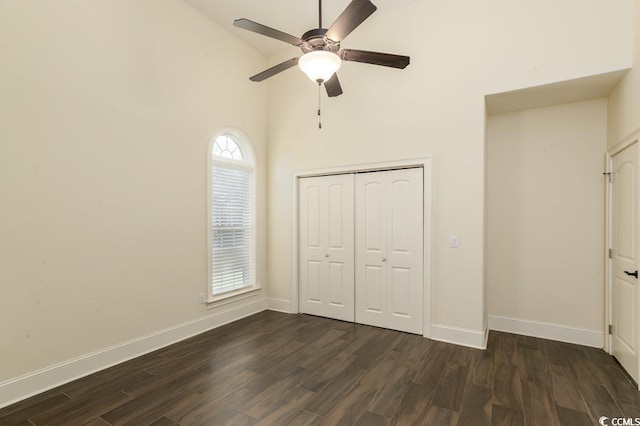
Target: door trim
<point x="426" y="164"/>
<point x="608" y="347"/>
<point x="633" y="138"/>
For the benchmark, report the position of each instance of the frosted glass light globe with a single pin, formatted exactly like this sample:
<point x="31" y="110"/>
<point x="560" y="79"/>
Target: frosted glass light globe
<point x="319" y="65"/>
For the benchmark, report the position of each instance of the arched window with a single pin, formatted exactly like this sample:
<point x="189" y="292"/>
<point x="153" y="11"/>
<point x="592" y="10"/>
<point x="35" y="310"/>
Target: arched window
<point x="232" y="215"/>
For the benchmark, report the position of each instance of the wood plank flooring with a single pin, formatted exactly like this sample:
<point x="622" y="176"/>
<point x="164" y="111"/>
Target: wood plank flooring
<point x="278" y="369"/>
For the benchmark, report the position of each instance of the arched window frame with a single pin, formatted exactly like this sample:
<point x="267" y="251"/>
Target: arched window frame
<point x="247" y="164"/>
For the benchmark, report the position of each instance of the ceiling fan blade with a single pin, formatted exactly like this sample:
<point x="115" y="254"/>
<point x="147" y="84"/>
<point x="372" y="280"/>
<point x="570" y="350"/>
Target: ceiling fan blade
<point x="333" y="86"/>
<point x="248" y="25"/>
<point x="275" y="70"/>
<point x="375" y="58"/>
<point x="354" y="15"/>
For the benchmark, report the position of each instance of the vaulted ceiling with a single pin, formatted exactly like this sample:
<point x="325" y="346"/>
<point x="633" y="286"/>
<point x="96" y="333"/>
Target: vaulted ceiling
<point x="294" y="17"/>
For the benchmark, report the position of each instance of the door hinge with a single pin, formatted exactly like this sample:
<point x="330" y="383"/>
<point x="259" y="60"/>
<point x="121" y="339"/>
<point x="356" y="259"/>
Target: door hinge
<point x="610" y="175"/>
<point x="610" y="329"/>
<point x="610" y="253"/>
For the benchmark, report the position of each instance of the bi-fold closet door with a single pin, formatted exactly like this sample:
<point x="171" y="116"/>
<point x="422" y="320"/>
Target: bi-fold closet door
<point x="361" y="248"/>
<point x="389" y="249"/>
<point x="326" y="246"/>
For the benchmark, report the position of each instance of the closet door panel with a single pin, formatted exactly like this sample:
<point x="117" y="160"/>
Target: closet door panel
<point x="405" y="250"/>
<point x="314" y="278"/>
<point x="326" y="246"/>
<point x="371" y="223"/>
<point x="340" y="247"/>
<point x="337" y="194"/>
<point x="372" y="209"/>
<point x="375" y="293"/>
<point x="336" y="284"/>
<point x="389" y="232"/>
<point x="312" y="200"/>
<point x="311" y="229"/>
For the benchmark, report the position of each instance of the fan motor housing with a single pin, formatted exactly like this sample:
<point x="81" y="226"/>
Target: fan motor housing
<point x="316" y="40"/>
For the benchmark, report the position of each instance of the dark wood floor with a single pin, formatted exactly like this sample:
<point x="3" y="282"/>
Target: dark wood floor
<point x="278" y="369"/>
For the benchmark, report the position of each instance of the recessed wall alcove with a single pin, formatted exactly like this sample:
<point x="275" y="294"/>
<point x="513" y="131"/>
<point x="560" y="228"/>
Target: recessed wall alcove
<point x="545" y="205"/>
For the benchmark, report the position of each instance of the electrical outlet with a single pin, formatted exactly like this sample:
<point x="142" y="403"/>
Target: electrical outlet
<point x="201" y="298"/>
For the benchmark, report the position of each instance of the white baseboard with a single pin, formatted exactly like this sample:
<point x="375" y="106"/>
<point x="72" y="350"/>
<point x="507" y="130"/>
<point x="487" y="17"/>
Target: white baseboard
<point x="459" y="336"/>
<point x="279" y="305"/>
<point x="30" y="384"/>
<point x="547" y="331"/>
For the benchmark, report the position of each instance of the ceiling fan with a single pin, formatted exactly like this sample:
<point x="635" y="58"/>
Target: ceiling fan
<point x="321" y="47"/>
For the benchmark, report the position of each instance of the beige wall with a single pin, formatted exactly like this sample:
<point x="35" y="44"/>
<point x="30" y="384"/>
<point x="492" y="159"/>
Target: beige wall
<point x="106" y="111"/>
<point x="624" y="102"/>
<point x="545" y="204"/>
<point x="459" y="51"/>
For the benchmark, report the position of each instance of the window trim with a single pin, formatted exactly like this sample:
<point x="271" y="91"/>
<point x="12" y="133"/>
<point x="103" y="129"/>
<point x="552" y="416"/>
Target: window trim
<point x="248" y="151"/>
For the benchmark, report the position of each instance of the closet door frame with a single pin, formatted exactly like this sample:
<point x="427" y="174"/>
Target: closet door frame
<point x="425" y="164"/>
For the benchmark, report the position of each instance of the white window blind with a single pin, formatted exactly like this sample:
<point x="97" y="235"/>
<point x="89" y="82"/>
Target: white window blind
<point x="232" y="228"/>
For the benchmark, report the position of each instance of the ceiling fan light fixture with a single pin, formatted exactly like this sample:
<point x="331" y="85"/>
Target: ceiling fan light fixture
<point x="319" y="65"/>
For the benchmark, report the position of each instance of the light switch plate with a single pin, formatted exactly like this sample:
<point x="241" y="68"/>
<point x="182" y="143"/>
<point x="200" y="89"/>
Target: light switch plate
<point x="453" y="241"/>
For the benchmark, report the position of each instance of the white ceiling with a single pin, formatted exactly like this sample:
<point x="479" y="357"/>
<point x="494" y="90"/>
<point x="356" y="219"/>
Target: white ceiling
<point x="579" y="89"/>
<point x="294" y="17"/>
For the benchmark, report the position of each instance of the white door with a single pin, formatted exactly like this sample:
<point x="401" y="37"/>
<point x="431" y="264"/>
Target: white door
<point x="326" y="246"/>
<point x="389" y="249"/>
<point x="624" y="265"/>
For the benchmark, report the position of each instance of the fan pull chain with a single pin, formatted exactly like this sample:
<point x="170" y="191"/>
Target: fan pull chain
<point x="319" y="105"/>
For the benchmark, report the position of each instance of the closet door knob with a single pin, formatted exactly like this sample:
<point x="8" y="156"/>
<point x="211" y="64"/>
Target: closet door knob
<point x="384" y="259"/>
<point x="326" y="255"/>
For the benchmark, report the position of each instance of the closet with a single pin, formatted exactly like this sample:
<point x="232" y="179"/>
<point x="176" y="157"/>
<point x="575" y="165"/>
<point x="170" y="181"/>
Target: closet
<point x="361" y="247"/>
